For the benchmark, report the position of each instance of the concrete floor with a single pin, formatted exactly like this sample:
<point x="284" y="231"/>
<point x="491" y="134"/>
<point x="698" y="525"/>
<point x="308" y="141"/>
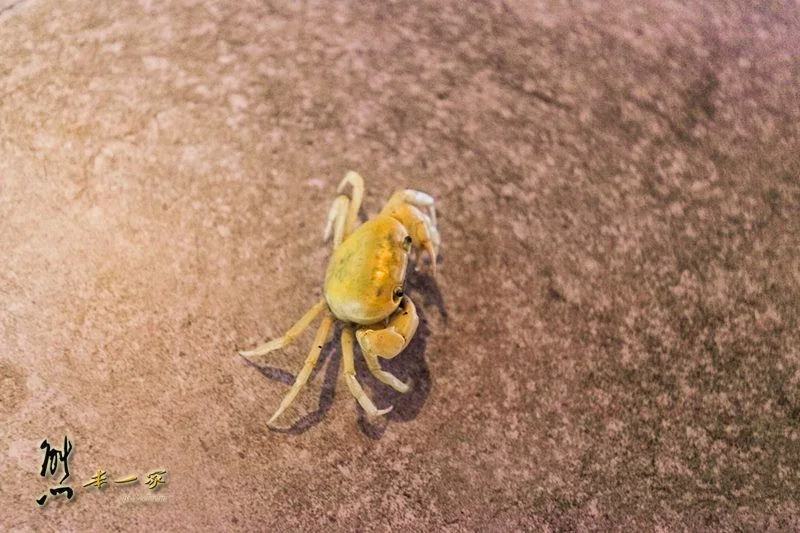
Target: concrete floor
<point x="612" y="342"/>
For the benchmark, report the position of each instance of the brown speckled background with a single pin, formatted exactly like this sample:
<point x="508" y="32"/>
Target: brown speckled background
<point x="612" y="342"/>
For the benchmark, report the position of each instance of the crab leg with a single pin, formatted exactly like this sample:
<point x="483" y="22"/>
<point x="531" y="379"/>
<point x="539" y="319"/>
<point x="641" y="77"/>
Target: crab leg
<point x="337" y="217"/>
<point x="354" y="179"/>
<point x="350" y="376"/>
<point x="290" y="335"/>
<point x="384" y="376"/>
<point x="417" y="199"/>
<point x="343" y="213"/>
<point x="308" y="366"/>
<point x="419" y="225"/>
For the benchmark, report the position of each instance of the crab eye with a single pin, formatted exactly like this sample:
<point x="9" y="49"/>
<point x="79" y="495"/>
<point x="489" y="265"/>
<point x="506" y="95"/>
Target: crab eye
<point x="407" y="242"/>
<point x="398" y="293"/>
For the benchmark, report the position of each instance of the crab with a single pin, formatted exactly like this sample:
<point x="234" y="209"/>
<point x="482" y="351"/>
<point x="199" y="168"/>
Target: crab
<point x="364" y="288"/>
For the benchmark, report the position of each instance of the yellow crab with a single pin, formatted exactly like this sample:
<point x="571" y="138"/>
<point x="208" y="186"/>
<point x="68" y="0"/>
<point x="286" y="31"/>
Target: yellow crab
<point x="364" y="287"/>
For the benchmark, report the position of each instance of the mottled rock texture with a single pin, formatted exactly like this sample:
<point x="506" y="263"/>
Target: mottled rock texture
<point x="613" y="339"/>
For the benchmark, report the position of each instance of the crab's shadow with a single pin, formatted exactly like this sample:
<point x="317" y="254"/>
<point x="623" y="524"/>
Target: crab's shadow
<point x="408" y="366"/>
<point x="423" y="287"/>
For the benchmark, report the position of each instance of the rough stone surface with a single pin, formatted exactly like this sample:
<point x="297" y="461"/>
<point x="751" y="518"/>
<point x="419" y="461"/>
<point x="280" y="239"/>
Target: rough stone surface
<point x="613" y="339"/>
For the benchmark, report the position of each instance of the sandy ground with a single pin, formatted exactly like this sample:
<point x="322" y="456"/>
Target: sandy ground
<point x="612" y="341"/>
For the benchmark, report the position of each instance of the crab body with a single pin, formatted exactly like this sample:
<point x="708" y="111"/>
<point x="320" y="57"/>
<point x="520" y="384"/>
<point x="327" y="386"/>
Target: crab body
<point x="364" y="282"/>
<point x="364" y="287"/>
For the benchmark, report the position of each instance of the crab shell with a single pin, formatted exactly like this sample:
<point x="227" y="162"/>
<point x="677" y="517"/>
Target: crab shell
<point x="364" y="281"/>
